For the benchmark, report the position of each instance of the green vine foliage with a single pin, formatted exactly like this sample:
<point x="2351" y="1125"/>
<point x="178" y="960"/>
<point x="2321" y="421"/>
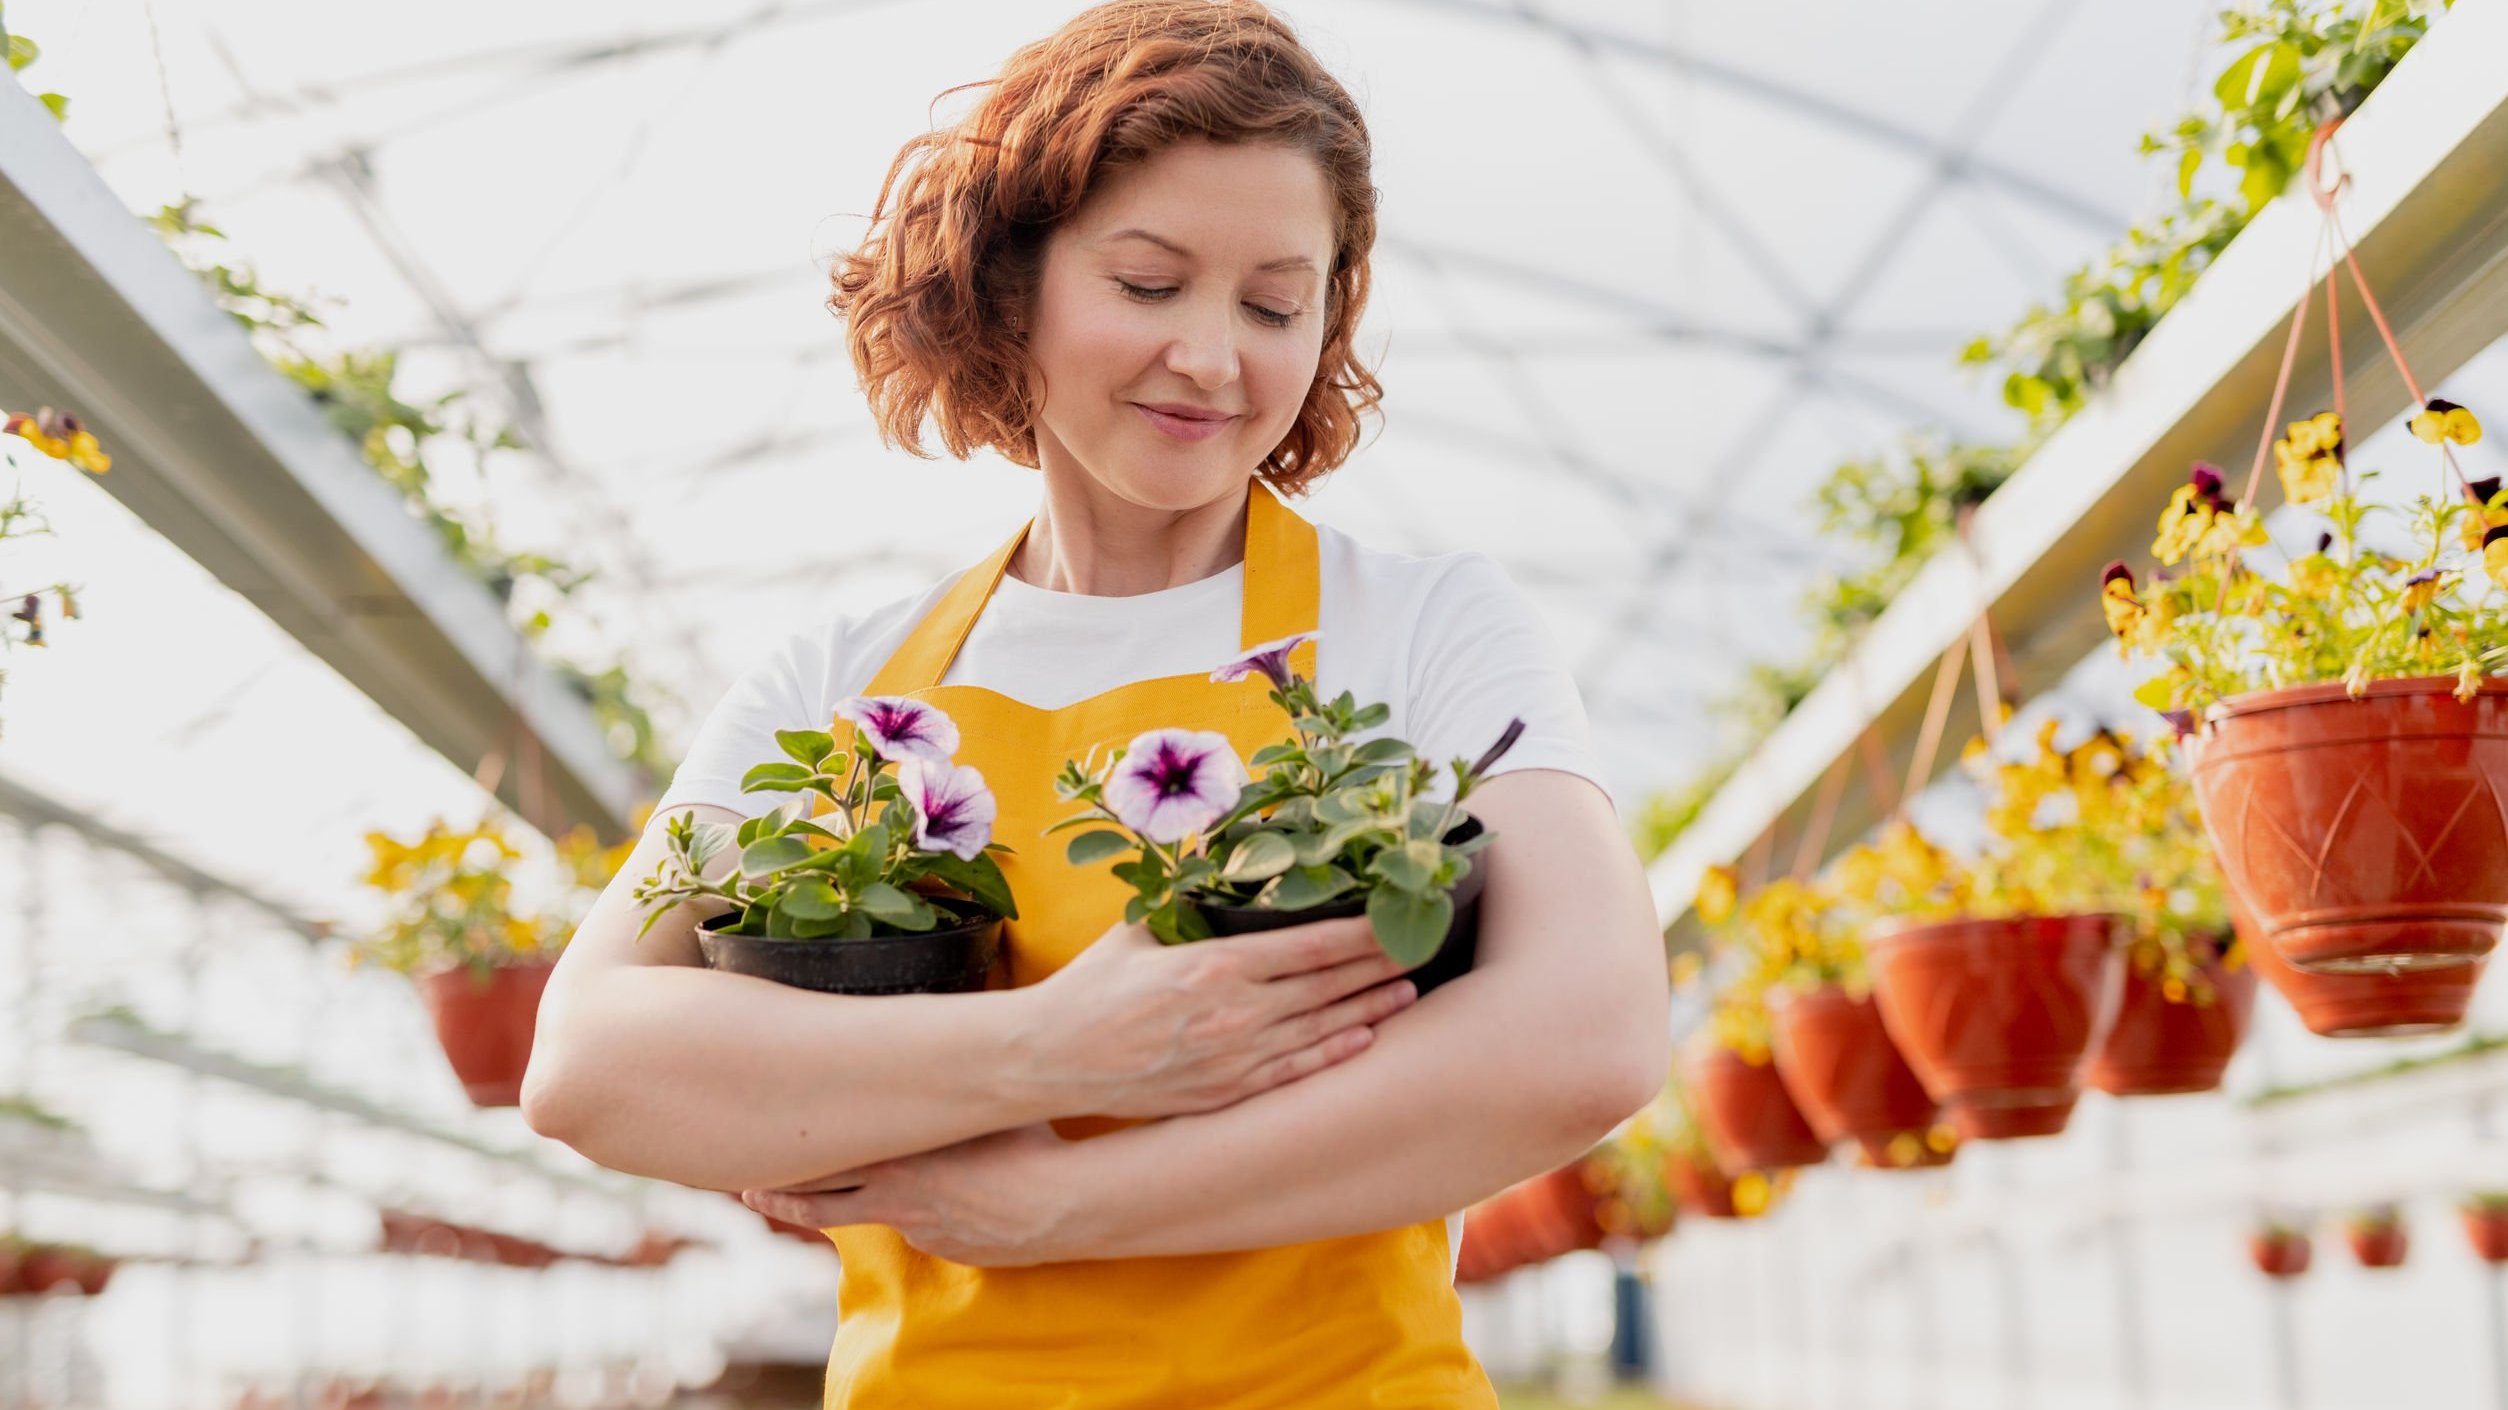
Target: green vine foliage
<point x="354" y="387"/>
<point x="2292" y="65"/>
<point x="22" y="52"/>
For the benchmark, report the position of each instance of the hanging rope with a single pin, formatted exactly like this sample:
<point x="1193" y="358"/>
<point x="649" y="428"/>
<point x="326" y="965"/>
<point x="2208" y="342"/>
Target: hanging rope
<point x="1815" y="839"/>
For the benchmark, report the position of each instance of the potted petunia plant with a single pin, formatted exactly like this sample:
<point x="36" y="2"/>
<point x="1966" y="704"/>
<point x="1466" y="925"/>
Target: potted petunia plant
<point x="478" y="958"/>
<point x="879" y="878"/>
<point x="1333" y="826"/>
<point x="1821" y="1027"/>
<point x="2346" y="704"/>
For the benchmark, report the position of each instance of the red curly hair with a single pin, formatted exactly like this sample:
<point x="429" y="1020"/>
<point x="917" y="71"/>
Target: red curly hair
<point x="934" y="297"/>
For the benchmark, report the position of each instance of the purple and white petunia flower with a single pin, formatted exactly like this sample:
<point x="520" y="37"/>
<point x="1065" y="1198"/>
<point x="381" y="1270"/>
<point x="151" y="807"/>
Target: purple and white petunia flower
<point x="953" y="810"/>
<point x="902" y="729"/>
<point x="1173" y="783"/>
<point x="1271" y="658"/>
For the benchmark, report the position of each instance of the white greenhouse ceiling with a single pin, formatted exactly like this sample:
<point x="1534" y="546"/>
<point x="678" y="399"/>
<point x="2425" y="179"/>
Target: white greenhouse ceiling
<point x="1648" y="271"/>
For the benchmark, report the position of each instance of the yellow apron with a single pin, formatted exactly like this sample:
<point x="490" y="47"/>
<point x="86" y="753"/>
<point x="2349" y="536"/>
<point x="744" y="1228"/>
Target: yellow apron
<point x="1370" y="1320"/>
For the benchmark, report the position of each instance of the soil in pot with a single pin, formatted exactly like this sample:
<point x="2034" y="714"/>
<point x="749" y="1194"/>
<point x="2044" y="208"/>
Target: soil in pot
<point x="1998" y="1016"/>
<point x="1749" y="1115"/>
<point x="2279" y="1255"/>
<point x="484" y="1021"/>
<point x="2363" y="1005"/>
<point x="957" y="960"/>
<point x="1454" y="956"/>
<point x="1836" y="1059"/>
<point x="2381" y="1246"/>
<point x="2160" y="1046"/>
<point x="2486" y="1229"/>
<point x="2368" y="835"/>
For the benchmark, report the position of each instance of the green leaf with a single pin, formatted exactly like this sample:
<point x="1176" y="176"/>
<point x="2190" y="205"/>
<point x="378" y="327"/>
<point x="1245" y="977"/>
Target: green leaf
<point x="777" y="778"/>
<point x="769" y="855"/>
<point x="806" y="746"/>
<point x="904" y="910"/>
<point x="812" y="899"/>
<point x="1383" y="751"/>
<point x="980" y="878"/>
<point x="1271" y="754"/>
<point x="1409" y="927"/>
<point x="1091" y="847"/>
<point x="1302" y="887"/>
<point x="1370" y="717"/>
<point x="1260" y="858"/>
<point x="1411" y="866"/>
<point x="1316" y="848"/>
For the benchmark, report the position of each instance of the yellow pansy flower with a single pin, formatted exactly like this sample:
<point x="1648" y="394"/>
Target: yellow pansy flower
<point x="60" y="435"/>
<point x="1718" y="889"/>
<point x="2445" y="421"/>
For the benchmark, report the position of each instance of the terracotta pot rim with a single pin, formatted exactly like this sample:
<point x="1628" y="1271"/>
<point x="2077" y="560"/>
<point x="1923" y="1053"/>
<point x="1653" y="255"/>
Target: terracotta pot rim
<point x="433" y="976"/>
<point x="1902" y="930"/>
<point x="2320" y="692"/>
<point x="1827" y="991"/>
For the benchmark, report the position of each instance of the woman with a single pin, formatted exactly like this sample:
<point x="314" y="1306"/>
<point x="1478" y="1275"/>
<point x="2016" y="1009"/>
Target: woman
<point x="1137" y="268"/>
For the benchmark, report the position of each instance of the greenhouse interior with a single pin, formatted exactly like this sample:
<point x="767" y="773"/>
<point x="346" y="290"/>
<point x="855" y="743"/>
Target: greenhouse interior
<point x="2000" y="504"/>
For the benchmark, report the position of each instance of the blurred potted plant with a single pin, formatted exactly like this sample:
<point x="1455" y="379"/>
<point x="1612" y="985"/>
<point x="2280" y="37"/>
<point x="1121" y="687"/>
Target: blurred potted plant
<point x="891" y="888"/>
<point x="2377" y="1236"/>
<point x="2279" y="1250"/>
<point x="1333" y="827"/>
<point x="2350" y="735"/>
<point x="1832" y="1052"/>
<point x="1994" y="991"/>
<point x="478" y="960"/>
<point x="2485" y="1215"/>
<point x="2108" y="825"/>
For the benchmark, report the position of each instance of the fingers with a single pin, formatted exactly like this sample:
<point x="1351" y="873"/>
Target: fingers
<point x="1309" y="1060"/>
<point x="1302" y="992"/>
<point x="1358" y="1011"/>
<point x="1299" y="948"/>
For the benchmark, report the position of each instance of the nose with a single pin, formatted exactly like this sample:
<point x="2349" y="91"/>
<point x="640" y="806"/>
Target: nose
<point x="1205" y="349"/>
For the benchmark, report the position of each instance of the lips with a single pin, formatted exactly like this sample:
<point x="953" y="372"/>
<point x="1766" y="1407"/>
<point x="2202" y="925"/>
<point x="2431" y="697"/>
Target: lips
<point x="1182" y="422"/>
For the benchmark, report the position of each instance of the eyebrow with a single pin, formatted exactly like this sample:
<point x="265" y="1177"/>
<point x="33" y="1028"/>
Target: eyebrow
<point x="1292" y="262"/>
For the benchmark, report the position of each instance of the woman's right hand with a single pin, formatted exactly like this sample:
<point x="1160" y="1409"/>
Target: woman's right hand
<point x="1134" y="1028"/>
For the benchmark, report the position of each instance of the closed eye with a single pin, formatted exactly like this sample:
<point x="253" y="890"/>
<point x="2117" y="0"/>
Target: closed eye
<point x="1150" y="294"/>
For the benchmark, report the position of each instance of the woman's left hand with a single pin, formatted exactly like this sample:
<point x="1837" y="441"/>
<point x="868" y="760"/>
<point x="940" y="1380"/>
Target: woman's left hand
<point x="998" y="1201"/>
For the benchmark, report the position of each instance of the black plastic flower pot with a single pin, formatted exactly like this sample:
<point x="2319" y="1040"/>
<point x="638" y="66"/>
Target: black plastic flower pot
<point x="957" y="960"/>
<point x="1455" y="953"/>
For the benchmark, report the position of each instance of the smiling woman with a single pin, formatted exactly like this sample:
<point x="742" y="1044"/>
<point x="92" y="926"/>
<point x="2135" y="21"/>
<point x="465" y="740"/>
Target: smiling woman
<point x="1142" y="1175"/>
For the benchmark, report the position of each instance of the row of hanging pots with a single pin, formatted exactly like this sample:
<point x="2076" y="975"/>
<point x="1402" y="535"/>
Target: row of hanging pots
<point x="1549" y="1215"/>
<point x="2379" y="1239"/>
<point x="28" y="1269"/>
<point x="427" y="1236"/>
<point x="1999" y="1022"/>
<point x="484" y="1019"/>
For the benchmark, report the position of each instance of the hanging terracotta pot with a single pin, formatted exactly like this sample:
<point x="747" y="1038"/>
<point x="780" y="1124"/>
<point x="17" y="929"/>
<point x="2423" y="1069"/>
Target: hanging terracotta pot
<point x="2368" y="835"/>
<point x="2162" y="1046"/>
<point x="1838" y="1062"/>
<point x="2362" y="1005"/>
<point x="1700" y="1187"/>
<point x="2378" y="1238"/>
<point x="1998" y="1016"/>
<point x="2486" y="1229"/>
<point x="95" y="1271"/>
<point x="42" y="1268"/>
<point x="2279" y="1253"/>
<point x="1566" y="1208"/>
<point x="1748" y="1114"/>
<point x="484" y="1020"/>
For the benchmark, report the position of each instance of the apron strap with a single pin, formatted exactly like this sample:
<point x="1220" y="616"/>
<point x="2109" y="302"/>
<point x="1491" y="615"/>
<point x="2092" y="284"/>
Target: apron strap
<point x="1281" y="596"/>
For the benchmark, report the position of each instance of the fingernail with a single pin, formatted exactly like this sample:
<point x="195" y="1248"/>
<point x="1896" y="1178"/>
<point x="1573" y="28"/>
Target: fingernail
<point x="1407" y="990"/>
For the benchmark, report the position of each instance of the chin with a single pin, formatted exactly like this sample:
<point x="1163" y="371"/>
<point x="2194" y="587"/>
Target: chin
<point x="1176" y="487"/>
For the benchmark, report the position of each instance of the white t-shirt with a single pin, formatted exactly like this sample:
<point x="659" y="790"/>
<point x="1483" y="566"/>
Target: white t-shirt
<point x="1447" y="643"/>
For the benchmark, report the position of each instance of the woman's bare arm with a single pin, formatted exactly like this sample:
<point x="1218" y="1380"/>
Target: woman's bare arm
<point x="649" y="1063"/>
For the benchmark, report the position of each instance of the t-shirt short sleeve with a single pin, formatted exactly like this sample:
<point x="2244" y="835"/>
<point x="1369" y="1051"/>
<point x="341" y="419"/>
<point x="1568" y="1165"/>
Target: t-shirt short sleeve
<point x="1483" y="658"/>
<point x="781" y="691"/>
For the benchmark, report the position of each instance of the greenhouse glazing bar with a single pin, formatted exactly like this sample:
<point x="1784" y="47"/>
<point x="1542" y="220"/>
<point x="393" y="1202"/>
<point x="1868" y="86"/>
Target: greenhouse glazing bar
<point x="2428" y="213"/>
<point x="236" y="467"/>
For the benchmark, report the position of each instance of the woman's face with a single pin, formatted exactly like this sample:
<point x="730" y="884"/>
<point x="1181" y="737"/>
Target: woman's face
<point x="1179" y="319"/>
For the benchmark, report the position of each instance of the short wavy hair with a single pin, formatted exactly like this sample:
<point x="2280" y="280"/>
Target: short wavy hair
<point x="935" y="297"/>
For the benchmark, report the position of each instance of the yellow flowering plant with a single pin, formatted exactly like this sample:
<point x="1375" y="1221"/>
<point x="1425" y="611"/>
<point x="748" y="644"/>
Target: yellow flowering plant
<point x="451" y="894"/>
<point x="2106" y="826"/>
<point x="61" y="436"/>
<point x="2345" y="610"/>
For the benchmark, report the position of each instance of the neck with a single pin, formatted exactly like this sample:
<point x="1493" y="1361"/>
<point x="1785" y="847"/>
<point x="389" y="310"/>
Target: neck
<point x="1086" y="540"/>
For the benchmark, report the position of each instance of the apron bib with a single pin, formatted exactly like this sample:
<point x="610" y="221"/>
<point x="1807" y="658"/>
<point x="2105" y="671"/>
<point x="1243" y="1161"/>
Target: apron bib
<point x="1370" y="1320"/>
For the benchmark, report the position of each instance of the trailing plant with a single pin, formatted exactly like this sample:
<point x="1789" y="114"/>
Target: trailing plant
<point x="23" y="52"/>
<point x="904" y="845"/>
<point x="1329" y="817"/>
<point x="396" y="438"/>
<point x="59" y="435"/>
